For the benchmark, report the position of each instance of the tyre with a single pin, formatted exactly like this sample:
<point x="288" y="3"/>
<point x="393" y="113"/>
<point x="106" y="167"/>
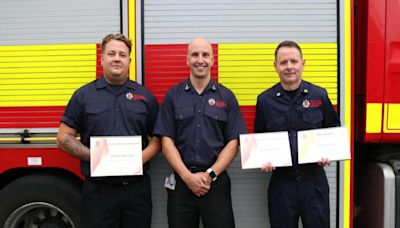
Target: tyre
<point x="41" y="201"/>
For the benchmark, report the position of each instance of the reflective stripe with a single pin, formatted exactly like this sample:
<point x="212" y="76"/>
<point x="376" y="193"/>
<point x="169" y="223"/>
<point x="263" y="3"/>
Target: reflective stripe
<point x="247" y="69"/>
<point x="44" y="75"/>
<point x="373" y="123"/>
<point x="391" y="118"/>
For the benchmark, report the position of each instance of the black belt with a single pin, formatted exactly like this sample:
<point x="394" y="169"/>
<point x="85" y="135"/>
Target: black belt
<point x="196" y="169"/>
<point x="297" y="172"/>
<point x="120" y="180"/>
<point x="123" y="181"/>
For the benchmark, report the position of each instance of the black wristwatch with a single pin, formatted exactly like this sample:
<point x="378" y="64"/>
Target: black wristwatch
<point x="212" y="174"/>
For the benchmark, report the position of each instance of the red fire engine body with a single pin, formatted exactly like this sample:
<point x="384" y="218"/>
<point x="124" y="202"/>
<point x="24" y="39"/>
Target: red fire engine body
<point x="40" y="185"/>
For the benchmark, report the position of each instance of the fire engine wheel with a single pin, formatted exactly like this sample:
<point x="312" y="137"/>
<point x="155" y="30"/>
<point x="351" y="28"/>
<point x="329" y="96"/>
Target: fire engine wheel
<point x="41" y="201"/>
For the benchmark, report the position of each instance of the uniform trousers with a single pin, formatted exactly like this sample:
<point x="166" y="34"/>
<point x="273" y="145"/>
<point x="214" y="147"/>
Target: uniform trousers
<point x="214" y="209"/>
<point x="299" y="194"/>
<point x="119" y="204"/>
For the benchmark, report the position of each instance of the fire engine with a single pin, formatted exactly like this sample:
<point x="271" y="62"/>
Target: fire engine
<point x="48" y="49"/>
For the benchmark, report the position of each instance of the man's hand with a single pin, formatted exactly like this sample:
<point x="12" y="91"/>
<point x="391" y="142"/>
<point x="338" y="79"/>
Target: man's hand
<point x="199" y="183"/>
<point x="324" y="162"/>
<point x="267" y="167"/>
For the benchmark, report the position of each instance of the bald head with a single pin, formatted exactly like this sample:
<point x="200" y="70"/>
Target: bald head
<point x="199" y="58"/>
<point x="199" y="42"/>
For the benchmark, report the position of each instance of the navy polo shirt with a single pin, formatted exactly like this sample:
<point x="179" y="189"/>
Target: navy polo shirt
<point x="99" y="109"/>
<point x="200" y="124"/>
<point x="309" y="109"/>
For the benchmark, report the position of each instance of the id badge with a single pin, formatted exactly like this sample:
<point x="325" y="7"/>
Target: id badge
<point x="170" y="181"/>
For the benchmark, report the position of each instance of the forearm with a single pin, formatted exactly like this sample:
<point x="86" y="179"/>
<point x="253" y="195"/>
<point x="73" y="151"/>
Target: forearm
<point x="226" y="156"/>
<point x="173" y="157"/>
<point x="198" y="183"/>
<point x="73" y="147"/>
<point x="152" y="149"/>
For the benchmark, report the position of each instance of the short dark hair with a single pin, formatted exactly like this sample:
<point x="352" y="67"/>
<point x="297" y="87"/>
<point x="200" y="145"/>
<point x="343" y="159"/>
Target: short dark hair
<point x="116" y="36"/>
<point x="288" y="43"/>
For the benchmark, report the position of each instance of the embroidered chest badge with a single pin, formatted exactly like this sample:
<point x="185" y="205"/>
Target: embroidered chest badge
<point x="129" y="96"/>
<point x="306" y="103"/>
<point x="136" y="97"/>
<point x="211" y="101"/>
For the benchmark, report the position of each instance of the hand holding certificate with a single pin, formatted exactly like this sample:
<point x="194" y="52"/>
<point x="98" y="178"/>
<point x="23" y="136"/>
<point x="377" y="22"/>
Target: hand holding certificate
<point x="332" y="143"/>
<point x="257" y="149"/>
<point x="116" y="156"/>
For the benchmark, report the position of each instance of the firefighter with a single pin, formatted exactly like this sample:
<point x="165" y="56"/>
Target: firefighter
<point x="299" y="191"/>
<point x="199" y="122"/>
<point x="112" y="105"/>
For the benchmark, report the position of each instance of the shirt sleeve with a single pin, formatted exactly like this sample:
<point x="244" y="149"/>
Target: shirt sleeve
<point x="259" y="121"/>
<point x="153" y="112"/>
<point x="331" y="118"/>
<point x="165" y="123"/>
<point x="73" y="112"/>
<point x="235" y="124"/>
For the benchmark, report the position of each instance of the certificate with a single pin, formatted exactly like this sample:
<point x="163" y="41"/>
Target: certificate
<point x="332" y="143"/>
<point x="115" y="156"/>
<point x="259" y="148"/>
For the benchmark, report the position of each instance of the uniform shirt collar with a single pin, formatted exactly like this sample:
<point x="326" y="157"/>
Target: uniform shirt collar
<point x="212" y="85"/>
<point x="303" y="88"/>
<point x="102" y="83"/>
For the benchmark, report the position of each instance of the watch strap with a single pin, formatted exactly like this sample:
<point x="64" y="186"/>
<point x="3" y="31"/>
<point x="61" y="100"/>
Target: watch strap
<point x="212" y="174"/>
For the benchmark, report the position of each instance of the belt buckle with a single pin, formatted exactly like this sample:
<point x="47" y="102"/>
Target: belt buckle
<point x="125" y="183"/>
<point x="193" y="169"/>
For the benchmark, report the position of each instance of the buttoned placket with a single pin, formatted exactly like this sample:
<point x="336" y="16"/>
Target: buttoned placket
<point x="199" y="121"/>
<point x="292" y="112"/>
<point x="116" y="107"/>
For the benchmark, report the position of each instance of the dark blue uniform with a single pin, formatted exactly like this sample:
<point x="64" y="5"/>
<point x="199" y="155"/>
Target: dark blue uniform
<point x="100" y="109"/>
<point x="301" y="190"/>
<point x="200" y="125"/>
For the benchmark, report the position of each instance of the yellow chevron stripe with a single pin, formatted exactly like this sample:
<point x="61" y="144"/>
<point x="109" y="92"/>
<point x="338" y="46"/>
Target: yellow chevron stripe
<point x="52" y="97"/>
<point x="132" y="36"/>
<point x="345" y="201"/>
<point x="259" y="75"/>
<point x="28" y="87"/>
<point x="37" y="58"/>
<point x="52" y="75"/>
<point x="266" y="58"/>
<point x="391" y="120"/>
<point x="247" y="69"/>
<point x="232" y="67"/>
<point x="373" y="123"/>
<point x="46" y="48"/>
<point x="44" y="75"/>
<point x="47" y="81"/>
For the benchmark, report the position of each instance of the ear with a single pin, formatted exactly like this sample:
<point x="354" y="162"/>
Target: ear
<point x="187" y="60"/>
<point x="102" y="59"/>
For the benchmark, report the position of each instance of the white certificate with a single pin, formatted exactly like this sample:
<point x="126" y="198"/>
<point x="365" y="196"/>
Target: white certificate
<point x="115" y="156"/>
<point x="259" y="148"/>
<point x="332" y="143"/>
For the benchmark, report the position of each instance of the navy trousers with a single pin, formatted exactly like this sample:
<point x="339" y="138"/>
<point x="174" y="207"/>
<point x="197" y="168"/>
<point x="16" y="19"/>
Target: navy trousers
<point x="293" y="196"/>
<point x="122" y="204"/>
<point x="215" y="208"/>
